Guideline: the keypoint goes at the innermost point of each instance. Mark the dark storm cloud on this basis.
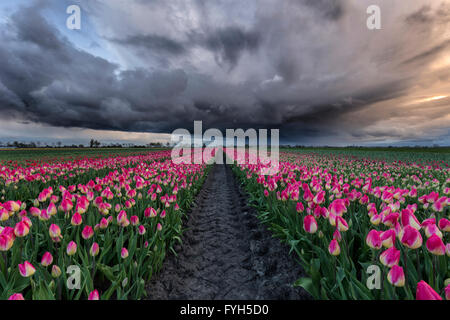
(229, 43)
(292, 65)
(430, 53)
(155, 43)
(330, 9)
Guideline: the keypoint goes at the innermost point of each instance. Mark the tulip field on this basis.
(363, 227)
(110, 219)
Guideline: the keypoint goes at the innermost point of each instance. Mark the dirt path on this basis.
(226, 253)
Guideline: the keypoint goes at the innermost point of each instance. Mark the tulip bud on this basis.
(71, 248)
(56, 271)
(373, 239)
(141, 230)
(334, 248)
(47, 259)
(54, 231)
(310, 224)
(390, 257)
(95, 249)
(435, 245)
(94, 295)
(134, 220)
(76, 219)
(124, 253)
(396, 276)
(16, 296)
(87, 232)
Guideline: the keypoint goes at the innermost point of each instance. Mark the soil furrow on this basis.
(226, 253)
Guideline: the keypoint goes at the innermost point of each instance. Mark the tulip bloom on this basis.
(444, 225)
(410, 237)
(95, 249)
(76, 219)
(337, 207)
(47, 259)
(447, 292)
(16, 296)
(334, 248)
(94, 295)
(21, 229)
(54, 231)
(159, 227)
(71, 248)
(435, 245)
(124, 253)
(425, 292)
(310, 224)
(87, 232)
(141, 230)
(134, 220)
(388, 238)
(26, 269)
(56, 271)
(373, 239)
(396, 276)
(431, 229)
(104, 223)
(298, 207)
(390, 257)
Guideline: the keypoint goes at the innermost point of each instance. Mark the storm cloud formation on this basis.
(308, 67)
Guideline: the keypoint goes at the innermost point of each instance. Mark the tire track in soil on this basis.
(226, 252)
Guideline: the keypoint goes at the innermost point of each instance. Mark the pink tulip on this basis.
(435, 245)
(373, 239)
(124, 253)
(447, 292)
(410, 237)
(71, 248)
(56, 271)
(334, 248)
(26, 269)
(396, 276)
(95, 249)
(134, 220)
(141, 230)
(425, 292)
(16, 296)
(444, 225)
(87, 232)
(54, 231)
(104, 223)
(47, 259)
(94, 295)
(159, 227)
(76, 219)
(310, 224)
(390, 257)
(337, 207)
(409, 219)
(21, 229)
(388, 238)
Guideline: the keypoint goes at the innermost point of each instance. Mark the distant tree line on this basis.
(93, 143)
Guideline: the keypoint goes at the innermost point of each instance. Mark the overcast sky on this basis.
(138, 69)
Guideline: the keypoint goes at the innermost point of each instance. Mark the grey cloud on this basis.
(313, 82)
(156, 43)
